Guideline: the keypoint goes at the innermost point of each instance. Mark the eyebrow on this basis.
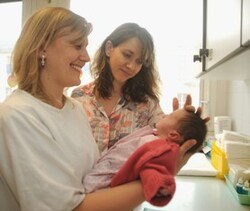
(132, 52)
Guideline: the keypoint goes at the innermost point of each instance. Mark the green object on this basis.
(242, 198)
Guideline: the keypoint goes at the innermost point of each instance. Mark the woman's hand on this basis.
(184, 155)
(188, 103)
(188, 106)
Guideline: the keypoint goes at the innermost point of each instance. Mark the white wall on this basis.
(226, 90)
(214, 99)
(238, 105)
(29, 6)
(231, 98)
(228, 98)
(176, 27)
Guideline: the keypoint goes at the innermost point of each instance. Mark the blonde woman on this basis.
(47, 146)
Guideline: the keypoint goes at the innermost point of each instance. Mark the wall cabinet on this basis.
(226, 34)
(223, 29)
(245, 22)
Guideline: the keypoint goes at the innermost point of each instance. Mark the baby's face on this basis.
(169, 123)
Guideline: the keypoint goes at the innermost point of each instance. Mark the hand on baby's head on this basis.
(189, 107)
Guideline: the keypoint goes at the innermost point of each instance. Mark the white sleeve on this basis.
(40, 175)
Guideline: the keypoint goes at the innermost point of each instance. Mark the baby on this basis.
(133, 155)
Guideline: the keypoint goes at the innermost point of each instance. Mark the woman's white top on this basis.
(45, 153)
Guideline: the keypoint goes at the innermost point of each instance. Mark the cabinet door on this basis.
(246, 23)
(223, 29)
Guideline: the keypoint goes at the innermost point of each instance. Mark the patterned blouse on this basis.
(125, 118)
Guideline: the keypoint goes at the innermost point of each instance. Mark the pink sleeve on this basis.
(154, 163)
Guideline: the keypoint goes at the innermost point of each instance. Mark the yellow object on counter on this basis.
(219, 160)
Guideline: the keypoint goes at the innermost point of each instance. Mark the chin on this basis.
(74, 83)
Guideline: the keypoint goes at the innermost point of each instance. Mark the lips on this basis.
(76, 67)
(127, 72)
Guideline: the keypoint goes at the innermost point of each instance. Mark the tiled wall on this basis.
(227, 91)
(239, 105)
(230, 98)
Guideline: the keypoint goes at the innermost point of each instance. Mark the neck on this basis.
(53, 91)
(116, 93)
(56, 99)
(58, 103)
(117, 89)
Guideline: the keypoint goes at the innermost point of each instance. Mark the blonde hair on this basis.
(43, 27)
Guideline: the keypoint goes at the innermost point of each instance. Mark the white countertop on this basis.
(198, 193)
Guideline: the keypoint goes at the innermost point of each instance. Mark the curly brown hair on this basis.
(141, 86)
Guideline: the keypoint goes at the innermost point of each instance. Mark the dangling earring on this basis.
(43, 61)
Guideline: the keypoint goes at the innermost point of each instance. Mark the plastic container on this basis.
(221, 123)
(239, 185)
(242, 198)
(219, 160)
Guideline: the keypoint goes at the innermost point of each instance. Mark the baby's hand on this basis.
(163, 192)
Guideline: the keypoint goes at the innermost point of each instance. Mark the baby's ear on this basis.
(174, 135)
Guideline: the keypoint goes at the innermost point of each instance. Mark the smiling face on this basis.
(125, 59)
(65, 57)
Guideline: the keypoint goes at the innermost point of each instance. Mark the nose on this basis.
(84, 56)
(131, 65)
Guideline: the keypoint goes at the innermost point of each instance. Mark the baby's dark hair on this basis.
(192, 126)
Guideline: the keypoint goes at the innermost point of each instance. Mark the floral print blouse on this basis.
(125, 118)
